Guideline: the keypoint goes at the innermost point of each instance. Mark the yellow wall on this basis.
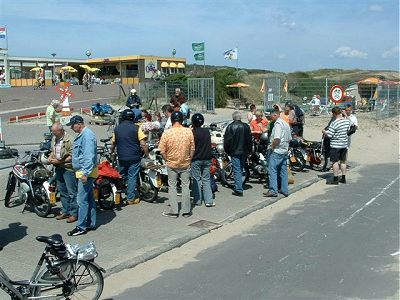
(130, 80)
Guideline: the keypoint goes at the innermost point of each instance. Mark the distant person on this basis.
(51, 113)
(259, 125)
(353, 126)
(176, 99)
(167, 110)
(337, 132)
(296, 119)
(251, 115)
(86, 79)
(84, 162)
(238, 144)
(285, 114)
(2, 78)
(133, 100)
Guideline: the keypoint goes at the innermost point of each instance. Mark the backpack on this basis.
(299, 114)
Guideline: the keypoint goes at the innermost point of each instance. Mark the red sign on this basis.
(336, 94)
(65, 92)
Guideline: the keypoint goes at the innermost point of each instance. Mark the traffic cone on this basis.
(65, 112)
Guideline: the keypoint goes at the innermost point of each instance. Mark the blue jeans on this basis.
(86, 204)
(67, 184)
(131, 171)
(201, 181)
(277, 165)
(238, 167)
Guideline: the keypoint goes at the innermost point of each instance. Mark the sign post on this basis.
(336, 93)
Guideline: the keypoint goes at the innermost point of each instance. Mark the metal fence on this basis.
(387, 103)
(199, 93)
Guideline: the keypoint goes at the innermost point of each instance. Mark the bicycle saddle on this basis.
(105, 140)
(54, 240)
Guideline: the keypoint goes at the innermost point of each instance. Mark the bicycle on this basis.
(38, 84)
(69, 270)
(87, 86)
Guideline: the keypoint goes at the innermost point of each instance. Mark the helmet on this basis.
(176, 116)
(133, 91)
(197, 120)
(264, 138)
(128, 114)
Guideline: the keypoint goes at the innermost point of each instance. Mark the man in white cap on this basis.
(133, 100)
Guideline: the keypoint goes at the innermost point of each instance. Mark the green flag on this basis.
(199, 56)
(198, 46)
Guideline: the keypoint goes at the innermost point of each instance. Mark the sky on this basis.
(284, 35)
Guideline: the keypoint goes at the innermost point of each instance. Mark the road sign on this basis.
(336, 94)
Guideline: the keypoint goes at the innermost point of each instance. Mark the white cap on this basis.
(133, 91)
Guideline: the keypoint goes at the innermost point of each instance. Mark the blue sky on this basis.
(285, 35)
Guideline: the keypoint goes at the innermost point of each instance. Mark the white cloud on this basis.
(375, 7)
(282, 56)
(347, 52)
(291, 25)
(393, 52)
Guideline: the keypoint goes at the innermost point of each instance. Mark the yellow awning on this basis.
(172, 65)
(164, 64)
(181, 65)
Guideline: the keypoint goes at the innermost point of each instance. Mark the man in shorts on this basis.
(337, 132)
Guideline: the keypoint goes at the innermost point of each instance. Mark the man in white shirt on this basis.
(277, 164)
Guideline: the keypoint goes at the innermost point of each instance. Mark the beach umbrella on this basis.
(35, 69)
(86, 67)
(94, 69)
(68, 69)
(238, 85)
(370, 80)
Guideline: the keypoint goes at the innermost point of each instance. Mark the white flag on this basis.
(231, 54)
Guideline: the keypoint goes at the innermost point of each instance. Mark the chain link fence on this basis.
(388, 97)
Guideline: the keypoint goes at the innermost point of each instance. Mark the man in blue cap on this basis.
(84, 162)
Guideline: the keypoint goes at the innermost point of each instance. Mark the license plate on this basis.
(293, 159)
(52, 197)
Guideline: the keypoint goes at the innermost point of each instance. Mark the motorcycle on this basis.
(315, 155)
(28, 178)
(257, 161)
(297, 156)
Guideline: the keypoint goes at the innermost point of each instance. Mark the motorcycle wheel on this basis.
(106, 202)
(299, 164)
(41, 203)
(11, 183)
(323, 161)
(148, 192)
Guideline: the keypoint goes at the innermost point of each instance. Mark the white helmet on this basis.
(133, 91)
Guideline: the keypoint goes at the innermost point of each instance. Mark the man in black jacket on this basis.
(133, 100)
(237, 144)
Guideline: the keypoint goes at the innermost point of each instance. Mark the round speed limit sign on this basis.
(336, 93)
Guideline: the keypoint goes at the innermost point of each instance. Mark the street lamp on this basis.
(54, 68)
(88, 53)
(173, 52)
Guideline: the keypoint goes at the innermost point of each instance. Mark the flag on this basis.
(285, 86)
(199, 56)
(2, 32)
(198, 46)
(262, 89)
(231, 53)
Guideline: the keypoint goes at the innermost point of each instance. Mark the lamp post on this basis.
(88, 53)
(173, 52)
(54, 68)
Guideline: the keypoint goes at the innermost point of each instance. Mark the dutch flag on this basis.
(2, 32)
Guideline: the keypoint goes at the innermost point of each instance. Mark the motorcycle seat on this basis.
(105, 140)
(53, 240)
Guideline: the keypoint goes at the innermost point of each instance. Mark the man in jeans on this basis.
(277, 164)
(201, 163)
(84, 162)
(177, 148)
(238, 144)
(129, 139)
(67, 184)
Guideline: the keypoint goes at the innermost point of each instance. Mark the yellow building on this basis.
(128, 69)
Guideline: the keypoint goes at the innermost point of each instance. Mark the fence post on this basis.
(326, 92)
(165, 92)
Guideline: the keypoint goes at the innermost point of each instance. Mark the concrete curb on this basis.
(133, 262)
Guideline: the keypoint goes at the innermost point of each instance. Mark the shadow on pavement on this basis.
(13, 233)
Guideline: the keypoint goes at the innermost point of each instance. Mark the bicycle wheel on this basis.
(71, 280)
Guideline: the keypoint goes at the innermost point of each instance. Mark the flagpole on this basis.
(204, 63)
(237, 59)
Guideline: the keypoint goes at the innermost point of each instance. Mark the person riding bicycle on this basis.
(86, 79)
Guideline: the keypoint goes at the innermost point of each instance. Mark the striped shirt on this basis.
(337, 132)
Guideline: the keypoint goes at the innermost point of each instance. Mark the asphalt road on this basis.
(342, 244)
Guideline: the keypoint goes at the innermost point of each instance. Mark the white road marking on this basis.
(369, 202)
(283, 258)
(300, 235)
(395, 254)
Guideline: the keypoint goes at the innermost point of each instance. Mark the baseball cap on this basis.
(75, 120)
